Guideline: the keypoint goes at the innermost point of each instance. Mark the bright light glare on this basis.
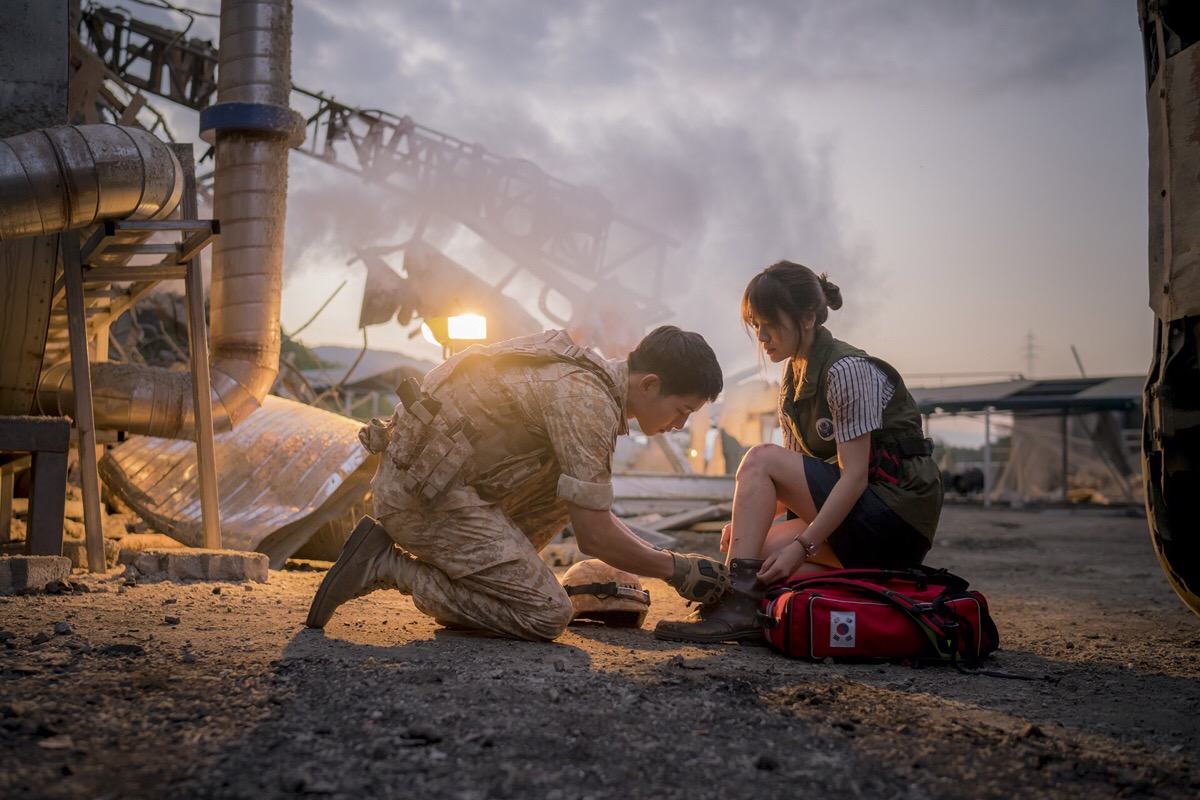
(428, 334)
(467, 326)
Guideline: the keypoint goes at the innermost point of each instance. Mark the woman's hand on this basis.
(726, 535)
(782, 564)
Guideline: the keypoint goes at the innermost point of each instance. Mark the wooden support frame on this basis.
(47, 440)
(182, 261)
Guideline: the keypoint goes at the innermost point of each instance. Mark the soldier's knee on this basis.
(551, 620)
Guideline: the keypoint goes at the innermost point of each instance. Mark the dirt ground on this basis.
(207, 690)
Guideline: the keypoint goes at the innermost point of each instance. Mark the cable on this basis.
(163, 4)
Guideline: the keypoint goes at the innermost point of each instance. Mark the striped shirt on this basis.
(857, 392)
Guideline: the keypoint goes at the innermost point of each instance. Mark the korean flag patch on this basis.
(841, 629)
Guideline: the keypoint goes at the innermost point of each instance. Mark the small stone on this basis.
(766, 763)
(62, 628)
(40, 638)
(216, 590)
(171, 620)
(1032, 731)
(59, 742)
(123, 650)
(6, 635)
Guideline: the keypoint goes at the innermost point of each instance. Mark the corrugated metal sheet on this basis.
(282, 475)
(1120, 393)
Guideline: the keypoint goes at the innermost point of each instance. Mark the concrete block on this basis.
(188, 564)
(32, 573)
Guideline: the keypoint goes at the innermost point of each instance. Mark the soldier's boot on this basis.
(731, 618)
(369, 561)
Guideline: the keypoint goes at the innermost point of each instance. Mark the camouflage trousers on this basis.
(480, 568)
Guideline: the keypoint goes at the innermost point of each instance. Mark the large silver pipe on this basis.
(73, 176)
(250, 126)
(252, 130)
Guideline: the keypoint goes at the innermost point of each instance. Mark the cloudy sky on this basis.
(973, 174)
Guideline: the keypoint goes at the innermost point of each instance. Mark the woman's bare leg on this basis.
(767, 475)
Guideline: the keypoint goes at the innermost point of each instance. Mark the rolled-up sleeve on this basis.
(596, 496)
(581, 420)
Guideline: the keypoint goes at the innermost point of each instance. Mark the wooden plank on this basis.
(85, 421)
(35, 434)
(210, 510)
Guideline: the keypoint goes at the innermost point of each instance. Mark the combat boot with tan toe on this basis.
(733, 617)
(369, 561)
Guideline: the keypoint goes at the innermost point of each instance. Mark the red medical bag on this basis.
(912, 614)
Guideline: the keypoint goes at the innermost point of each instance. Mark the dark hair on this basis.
(682, 360)
(787, 290)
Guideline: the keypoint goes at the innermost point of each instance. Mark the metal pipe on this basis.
(73, 176)
(252, 130)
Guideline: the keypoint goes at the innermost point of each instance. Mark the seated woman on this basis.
(856, 474)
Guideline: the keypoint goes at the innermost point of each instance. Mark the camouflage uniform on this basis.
(547, 430)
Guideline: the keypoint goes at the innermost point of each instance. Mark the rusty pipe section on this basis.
(252, 129)
(73, 176)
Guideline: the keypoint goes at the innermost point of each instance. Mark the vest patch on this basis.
(825, 428)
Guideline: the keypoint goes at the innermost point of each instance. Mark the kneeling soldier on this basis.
(488, 459)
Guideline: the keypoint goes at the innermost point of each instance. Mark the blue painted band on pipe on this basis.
(249, 117)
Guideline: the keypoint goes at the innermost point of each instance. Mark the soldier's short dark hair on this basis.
(682, 360)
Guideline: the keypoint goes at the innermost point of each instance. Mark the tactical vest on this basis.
(903, 473)
(433, 442)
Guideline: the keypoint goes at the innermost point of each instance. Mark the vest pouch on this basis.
(408, 438)
(500, 480)
(445, 456)
(376, 435)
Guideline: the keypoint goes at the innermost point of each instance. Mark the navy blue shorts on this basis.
(872, 535)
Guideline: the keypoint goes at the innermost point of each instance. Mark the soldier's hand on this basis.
(699, 577)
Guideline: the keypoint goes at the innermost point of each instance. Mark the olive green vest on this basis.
(804, 412)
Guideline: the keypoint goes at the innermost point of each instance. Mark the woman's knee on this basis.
(757, 461)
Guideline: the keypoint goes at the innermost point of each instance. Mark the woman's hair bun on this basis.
(833, 294)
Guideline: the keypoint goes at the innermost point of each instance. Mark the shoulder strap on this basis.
(920, 575)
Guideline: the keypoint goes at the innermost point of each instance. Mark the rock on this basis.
(73, 529)
(76, 550)
(32, 573)
(1032, 731)
(60, 742)
(62, 628)
(123, 650)
(40, 638)
(139, 542)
